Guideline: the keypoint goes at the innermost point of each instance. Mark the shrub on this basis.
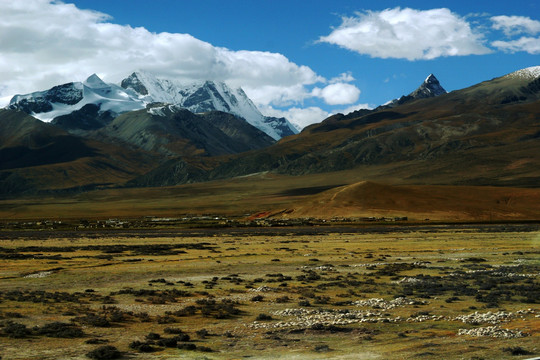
(257, 298)
(142, 347)
(153, 336)
(95, 341)
(202, 333)
(516, 350)
(322, 348)
(182, 337)
(187, 346)
(104, 352)
(16, 330)
(60, 330)
(167, 342)
(169, 330)
(93, 320)
(263, 317)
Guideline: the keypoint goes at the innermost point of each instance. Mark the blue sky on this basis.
(301, 59)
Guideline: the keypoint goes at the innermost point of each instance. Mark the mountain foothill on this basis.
(151, 132)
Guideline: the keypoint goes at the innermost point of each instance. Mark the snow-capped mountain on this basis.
(431, 87)
(205, 96)
(67, 98)
(139, 89)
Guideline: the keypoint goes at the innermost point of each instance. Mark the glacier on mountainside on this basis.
(142, 88)
(203, 96)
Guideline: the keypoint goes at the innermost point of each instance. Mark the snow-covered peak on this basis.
(67, 98)
(431, 79)
(142, 88)
(429, 88)
(529, 73)
(203, 96)
(94, 82)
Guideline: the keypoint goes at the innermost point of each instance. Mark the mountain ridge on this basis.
(420, 140)
(486, 134)
(71, 100)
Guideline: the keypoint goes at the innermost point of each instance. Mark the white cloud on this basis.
(513, 25)
(344, 77)
(352, 108)
(45, 43)
(528, 44)
(408, 34)
(302, 117)
(299, 117)
(338, 93)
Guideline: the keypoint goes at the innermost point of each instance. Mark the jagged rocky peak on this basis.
(429, 88)
(201, 96)
(134, 82)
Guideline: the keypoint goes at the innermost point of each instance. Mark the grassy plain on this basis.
(362, 292)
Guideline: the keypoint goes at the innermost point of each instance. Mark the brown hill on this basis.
(417, 202)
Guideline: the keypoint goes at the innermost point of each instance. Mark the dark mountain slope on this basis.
(485, 135)
(173, 131)
(25, 141)
(36, 156)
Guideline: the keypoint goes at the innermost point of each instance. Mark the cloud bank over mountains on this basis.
(44, 43)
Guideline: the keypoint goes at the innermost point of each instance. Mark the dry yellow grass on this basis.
(330, 269)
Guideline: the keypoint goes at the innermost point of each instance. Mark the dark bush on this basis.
(16, 330)
(105, 352)
(204, 349)
(96, 341)
(142, 346)
(202, 333)
(187, 346)
(182, 337)
(516, 350)
(263, 317)
(153, 336)
(322, 348)
(60, 330)
(167, 342)
(257, 298)
(93, 320)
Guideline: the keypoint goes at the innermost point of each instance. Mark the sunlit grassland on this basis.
(145, 283)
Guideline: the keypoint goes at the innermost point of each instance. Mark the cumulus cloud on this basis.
(344, 77)
(513, 25)
(352, 108)
(44, 43)
(408, 34)
(516, 25)
(338, 93)
(299, 117)
(528, 44)
(302, 117)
